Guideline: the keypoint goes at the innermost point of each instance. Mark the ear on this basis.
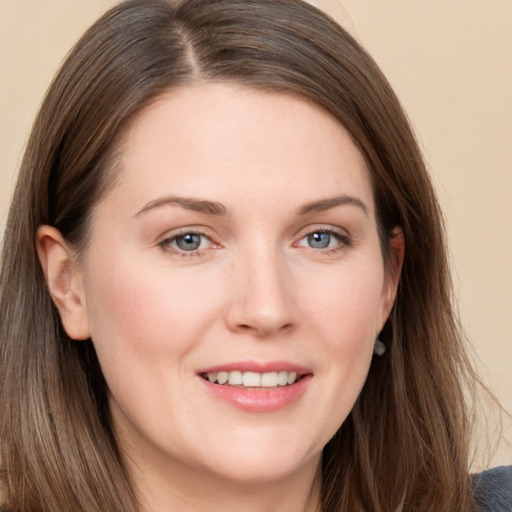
(64, 280)
(393, 271)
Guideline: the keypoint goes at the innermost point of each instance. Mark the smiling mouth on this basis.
(253, 379)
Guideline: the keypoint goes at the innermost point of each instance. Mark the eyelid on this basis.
(342, 235)
(170, 236)
(324, 228)
(185, 230)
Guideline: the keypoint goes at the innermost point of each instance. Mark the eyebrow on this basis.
(215, 208)
(332, 202)
(189, 203)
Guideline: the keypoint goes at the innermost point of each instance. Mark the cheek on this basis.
(344, 322)
(151, 312)
(143, 329)
(347, 307)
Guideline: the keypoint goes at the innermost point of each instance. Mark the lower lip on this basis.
(258, 399)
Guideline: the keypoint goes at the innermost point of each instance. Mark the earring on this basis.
(379, 348)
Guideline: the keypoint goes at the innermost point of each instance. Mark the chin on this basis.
(263, 466)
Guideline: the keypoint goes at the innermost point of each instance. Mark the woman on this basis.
(224, 281)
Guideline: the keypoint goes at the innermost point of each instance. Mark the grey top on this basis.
(493, 489)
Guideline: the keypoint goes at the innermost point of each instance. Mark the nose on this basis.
(261, 302)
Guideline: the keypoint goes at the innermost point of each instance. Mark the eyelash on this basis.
(343, 240)
(166, 246)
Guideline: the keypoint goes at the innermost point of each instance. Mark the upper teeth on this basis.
(253, 379)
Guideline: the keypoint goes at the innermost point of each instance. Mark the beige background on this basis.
(450, 63)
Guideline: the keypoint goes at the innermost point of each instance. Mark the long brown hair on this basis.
(404, 446)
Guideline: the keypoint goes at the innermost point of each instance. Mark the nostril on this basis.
(265, 330)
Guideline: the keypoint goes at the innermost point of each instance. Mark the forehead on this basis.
(220, 140)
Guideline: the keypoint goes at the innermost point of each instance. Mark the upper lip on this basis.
(258, 367)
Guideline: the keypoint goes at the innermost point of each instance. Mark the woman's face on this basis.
(239, 243)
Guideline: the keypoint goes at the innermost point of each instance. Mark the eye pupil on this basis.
(319, 240)
(189, 242)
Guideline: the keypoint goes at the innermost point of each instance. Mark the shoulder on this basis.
(493, 489)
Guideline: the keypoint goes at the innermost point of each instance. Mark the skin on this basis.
(256, 289)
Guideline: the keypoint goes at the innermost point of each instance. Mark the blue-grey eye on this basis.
(188, 242)
(319, 240)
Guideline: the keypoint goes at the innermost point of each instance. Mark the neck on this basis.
(188, 489)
